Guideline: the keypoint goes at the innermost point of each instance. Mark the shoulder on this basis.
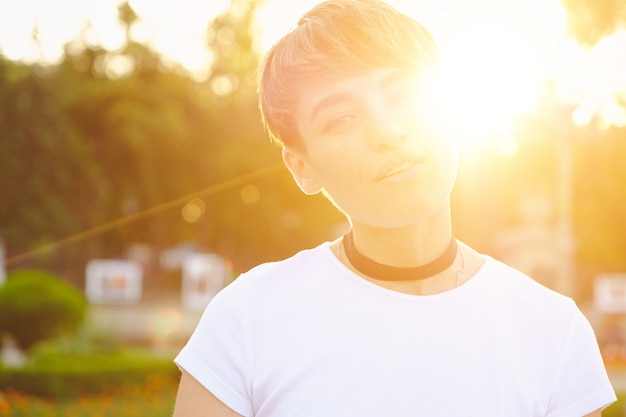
(273, 278)
(544, 320)
(505, 276)
(298, 264)
(304, 258)
(521, 292)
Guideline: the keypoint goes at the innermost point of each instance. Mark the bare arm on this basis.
(193, 400)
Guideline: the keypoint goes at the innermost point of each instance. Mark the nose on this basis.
(385, 130)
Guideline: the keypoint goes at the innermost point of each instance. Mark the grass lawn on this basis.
(154, 399)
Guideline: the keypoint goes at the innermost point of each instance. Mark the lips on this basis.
(396, 168)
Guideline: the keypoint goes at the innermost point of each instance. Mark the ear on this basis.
(298, 168)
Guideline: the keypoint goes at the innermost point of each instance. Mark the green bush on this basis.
(36, 305)
(616, 409)
(69, 376)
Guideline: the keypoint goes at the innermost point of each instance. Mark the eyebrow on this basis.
(341, 97)
(399, 75)
(329, 101)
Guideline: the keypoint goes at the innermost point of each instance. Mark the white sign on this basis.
(113, 281)
(609, 293)
(204, 275)
(173, 258)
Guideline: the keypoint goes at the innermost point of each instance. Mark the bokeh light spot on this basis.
(250, 194)
(193, 210)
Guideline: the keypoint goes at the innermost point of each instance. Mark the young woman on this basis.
(396, 318)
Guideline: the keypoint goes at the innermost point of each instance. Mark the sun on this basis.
(494, 66)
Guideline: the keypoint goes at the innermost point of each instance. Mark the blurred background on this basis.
(136, 179)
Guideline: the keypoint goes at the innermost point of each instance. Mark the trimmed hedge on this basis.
(36, 305)
(67, 376)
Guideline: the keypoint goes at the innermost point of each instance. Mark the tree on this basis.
(140, 137)
(600, 195)
(588, 21)
(39, 154)
(281, 218)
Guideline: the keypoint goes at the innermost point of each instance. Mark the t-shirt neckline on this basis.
(348, 274)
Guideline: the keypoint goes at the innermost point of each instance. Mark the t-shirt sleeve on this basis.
(218, 353)
(581, 384)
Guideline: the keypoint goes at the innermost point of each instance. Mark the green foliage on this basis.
(62, 375)
(617, 408)
(103, 146)
(35, 305)
(38, 147)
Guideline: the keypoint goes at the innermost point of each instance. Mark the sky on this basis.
(498, 54)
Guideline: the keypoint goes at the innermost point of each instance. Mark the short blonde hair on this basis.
(336, 37)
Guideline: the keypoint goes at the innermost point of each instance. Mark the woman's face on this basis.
(369, 145)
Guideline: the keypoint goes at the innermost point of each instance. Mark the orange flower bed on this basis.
(155, 398)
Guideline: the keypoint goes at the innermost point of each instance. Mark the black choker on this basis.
(383, 272)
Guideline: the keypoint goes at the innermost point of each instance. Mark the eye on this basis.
(339, 123)
(404, 93)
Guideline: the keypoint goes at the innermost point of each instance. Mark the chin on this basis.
(405, 215)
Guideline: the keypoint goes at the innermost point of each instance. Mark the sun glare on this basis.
(497, 58)
(494, 65)
(594, 81)
(178, 30)
(499, 55)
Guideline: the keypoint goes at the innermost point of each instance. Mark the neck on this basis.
(403, 247)
(383, 272)
(454, 276)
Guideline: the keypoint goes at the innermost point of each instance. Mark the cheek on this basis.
(341, 176)
(339, 171)
(449, 163)
(340, 155)
(445, 160)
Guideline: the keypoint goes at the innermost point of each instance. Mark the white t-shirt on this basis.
(306, 337)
